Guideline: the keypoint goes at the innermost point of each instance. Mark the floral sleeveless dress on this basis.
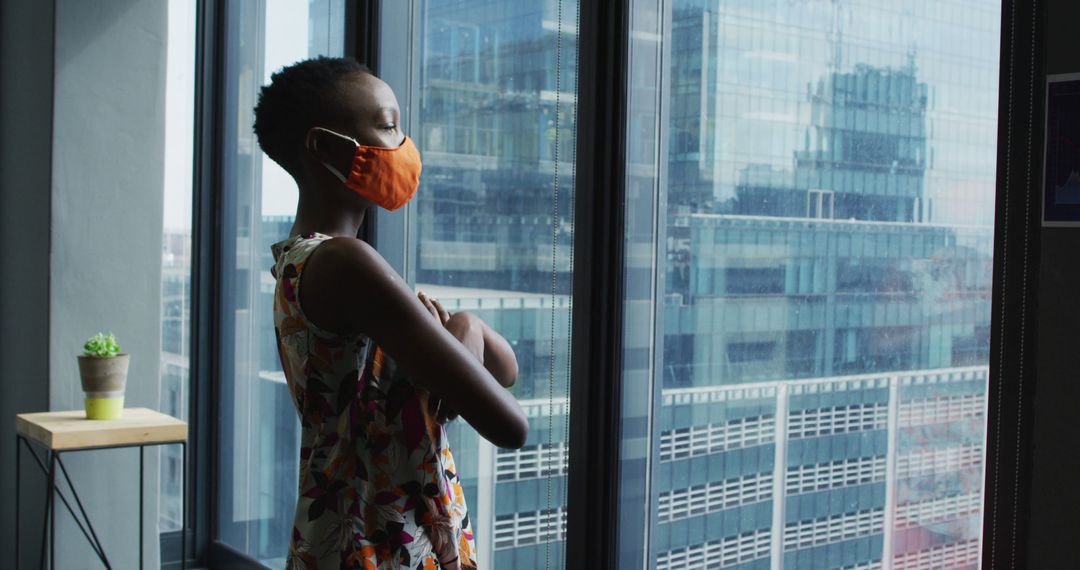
(378, 485)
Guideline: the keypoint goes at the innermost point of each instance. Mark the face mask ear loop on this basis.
(332, 169)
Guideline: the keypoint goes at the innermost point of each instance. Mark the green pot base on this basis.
(104, 408)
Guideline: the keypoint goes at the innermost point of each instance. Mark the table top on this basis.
(71, 430)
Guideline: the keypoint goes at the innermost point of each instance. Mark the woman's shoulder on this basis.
(344, 254)
(349, 253)
(340, 275)
(294, 251)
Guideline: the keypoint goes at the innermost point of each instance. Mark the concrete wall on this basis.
(82, 117)
(105, 272)
(26, 85)
(1055, 492)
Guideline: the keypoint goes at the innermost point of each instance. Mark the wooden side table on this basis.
(63, 432)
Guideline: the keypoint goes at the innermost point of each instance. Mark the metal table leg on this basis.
(22, 441)
(183, 505)
(142, 478)
(18, 493)
(53, 493)
(49, 466)
(52, 510)
(88, 532)
(45, 519)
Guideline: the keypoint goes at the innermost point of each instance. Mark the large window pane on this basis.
(810, 210)
(176, 250)
(491, 105)
(259, 438)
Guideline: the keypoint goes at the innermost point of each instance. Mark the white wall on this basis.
(105, 269)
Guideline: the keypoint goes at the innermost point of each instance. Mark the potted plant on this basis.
(103, 369)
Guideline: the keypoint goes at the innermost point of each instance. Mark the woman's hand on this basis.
(434, 307)
(465, 327)
(492, 349)
(469, 329)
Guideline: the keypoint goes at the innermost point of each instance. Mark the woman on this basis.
(374, 370)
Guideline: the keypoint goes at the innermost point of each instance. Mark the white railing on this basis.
(706, 439)
(941, 410)
(717, 553)
(838, 419)
(954, 555)
(833, 529)
(703, 499)
(940, 460)
(534, 527)
(842, 473)
(532, 462)
(875, 565)
(938, 509)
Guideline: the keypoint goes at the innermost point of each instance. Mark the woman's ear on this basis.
(331, 149)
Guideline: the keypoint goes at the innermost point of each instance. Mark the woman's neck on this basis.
(322, 216)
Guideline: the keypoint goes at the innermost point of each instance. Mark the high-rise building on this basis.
(825, 344)
(175, 373)
(828, 285)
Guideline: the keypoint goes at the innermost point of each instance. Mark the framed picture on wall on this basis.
(1061, 156)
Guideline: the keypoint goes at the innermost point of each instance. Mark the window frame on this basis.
(599, 263)
(593, 524)
(205, 281)
(204, 485)
(1009, 441)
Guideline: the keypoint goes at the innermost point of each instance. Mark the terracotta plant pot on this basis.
(103, 384)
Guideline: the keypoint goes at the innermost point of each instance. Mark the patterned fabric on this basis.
(378, 485)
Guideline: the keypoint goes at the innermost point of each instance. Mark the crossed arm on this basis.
(348, 288)
(495, 352)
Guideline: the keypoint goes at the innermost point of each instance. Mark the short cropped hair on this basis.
(303, 95)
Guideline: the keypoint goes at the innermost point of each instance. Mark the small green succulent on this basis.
(102, 346)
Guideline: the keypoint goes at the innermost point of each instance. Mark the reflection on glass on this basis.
(259, 437)
(817, 207)
(494, 118)
(176, 250)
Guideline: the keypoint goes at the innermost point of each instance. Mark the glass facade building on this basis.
(826, 305)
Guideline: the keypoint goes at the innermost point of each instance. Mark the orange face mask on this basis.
(389, 177)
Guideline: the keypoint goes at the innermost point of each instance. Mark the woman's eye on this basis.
(389, 127)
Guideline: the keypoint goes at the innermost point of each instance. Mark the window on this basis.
(817, 399)
(175, 373)
(488, 91)
(819, 204)
(809, 209)
(750, 351)
(753, 280)
(258, 430)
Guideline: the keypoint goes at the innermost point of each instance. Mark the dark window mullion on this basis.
(1007, 485)
(362, 43)
(595, 391)
(660, 231)
(208, 238)
(201, 494)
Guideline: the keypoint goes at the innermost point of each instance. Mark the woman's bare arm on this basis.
(348, 288)
(498, 356)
